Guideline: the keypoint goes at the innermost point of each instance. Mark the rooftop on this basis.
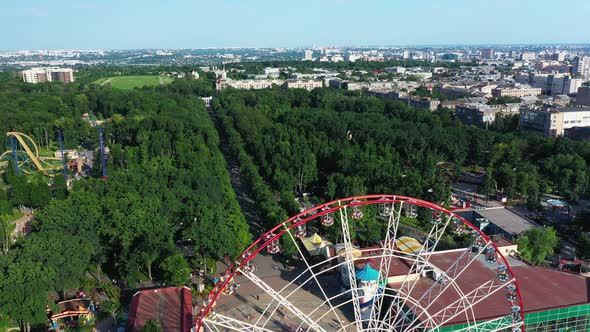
(170, 307)
(507, 220)
(541, 288)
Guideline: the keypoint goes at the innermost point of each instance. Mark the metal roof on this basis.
(507, 220)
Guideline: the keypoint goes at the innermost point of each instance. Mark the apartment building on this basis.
(581, 67)
(48, 74)
(303, 84)
(554, 121)
(515, 91)
(551, 84)
(246, 84)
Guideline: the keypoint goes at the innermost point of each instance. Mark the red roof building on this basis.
(171, 307)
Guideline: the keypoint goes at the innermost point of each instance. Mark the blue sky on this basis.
(120, 24)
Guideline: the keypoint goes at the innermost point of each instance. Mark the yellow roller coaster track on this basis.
(40, 162)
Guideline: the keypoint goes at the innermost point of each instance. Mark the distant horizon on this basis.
(201, 24)
(304, 47)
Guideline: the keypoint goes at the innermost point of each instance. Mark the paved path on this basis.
(106, 81)
(250, 301)
(23, 221)
(241, 188)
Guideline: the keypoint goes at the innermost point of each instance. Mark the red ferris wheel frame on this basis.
(318, 211)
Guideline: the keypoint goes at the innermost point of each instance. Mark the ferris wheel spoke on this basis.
(283, 301)
(462, 304)
(315, 278)
(388, 248)
(448, 280)
(350, 267)
(346, 292)
(408, 284)
(232, 324)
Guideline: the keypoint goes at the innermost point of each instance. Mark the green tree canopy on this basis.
(537, 243)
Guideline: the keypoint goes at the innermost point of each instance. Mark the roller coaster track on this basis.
(41, 163)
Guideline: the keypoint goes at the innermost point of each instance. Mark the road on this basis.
(241, 188)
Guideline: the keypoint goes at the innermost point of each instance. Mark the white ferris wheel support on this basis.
(402, 297)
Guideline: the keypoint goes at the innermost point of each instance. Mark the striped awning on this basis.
(408, 245)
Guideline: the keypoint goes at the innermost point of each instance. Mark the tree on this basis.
(584, 246)
(5, 207)
(112, 307)
(176, 270)
(331, 186)
(23, 291)
(6, 228)
(61, 187)
(66, 255)
(582, 220)
(537, 243)
(19, 192)
(152, 326)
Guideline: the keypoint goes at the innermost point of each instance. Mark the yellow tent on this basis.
(408, 245)
(314, 244)
(341, 251)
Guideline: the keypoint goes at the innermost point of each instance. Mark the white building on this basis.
(551, 84)
(353, 57)
(527, 56)
(303, 84)
(308, 55)
(272, 72)
(554, 121)
(581, 66)
(246, 84)
(48, 74)
(336, 58)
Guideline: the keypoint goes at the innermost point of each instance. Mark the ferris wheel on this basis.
(368, 263)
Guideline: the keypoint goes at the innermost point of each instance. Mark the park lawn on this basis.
(132, 82)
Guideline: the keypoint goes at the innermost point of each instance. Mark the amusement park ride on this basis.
(24, 153)
(27, 159)
(390, 286)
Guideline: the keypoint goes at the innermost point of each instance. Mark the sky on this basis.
(130, 24)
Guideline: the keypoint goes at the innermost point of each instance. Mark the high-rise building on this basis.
(551, 84)
(486, 53)
(406, 54)
(48, 74)
(558, 56)
(581, 66)
(308, 55)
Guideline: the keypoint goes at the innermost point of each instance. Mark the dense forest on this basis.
(167, 190)
(332, 145)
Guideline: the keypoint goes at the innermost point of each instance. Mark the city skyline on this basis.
(231, 24)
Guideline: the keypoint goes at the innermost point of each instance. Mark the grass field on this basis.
(131, 82)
